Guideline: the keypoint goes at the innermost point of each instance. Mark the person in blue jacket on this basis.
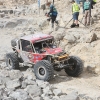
(52, 14)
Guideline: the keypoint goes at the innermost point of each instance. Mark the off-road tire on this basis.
(75, 69)
(13, 43)
(43, 70)
(12, 61)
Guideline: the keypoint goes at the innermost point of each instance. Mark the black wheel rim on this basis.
(9, 63)
(42, 71)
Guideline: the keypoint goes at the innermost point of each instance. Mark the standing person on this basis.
(87, 12)
(93, 2)
(77, 1)
(75, 11)
(52, 14)
(83, 5)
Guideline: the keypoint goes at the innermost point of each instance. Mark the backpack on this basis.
(53, 10)
(86, 5)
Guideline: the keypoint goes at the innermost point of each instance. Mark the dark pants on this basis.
(75, 15)
(87, 17)
(53, 19)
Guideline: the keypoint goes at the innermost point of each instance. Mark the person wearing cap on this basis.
(75, 12)
(87, 14)
(52, 14)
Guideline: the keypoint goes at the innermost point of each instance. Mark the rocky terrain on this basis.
(21, 17)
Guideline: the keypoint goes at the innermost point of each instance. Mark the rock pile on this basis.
(16, 85)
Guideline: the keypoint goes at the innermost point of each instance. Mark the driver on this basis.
(28, 48)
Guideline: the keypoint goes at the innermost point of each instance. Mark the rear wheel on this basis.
(12, 61)
(76, 66)
(43, 70)
(13, 42)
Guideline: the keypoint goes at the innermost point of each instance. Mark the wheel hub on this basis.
(9, 63)
(42, 71)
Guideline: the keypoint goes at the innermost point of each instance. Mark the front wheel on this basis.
(43, 70)
(75, 66)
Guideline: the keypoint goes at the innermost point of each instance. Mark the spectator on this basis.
(93, 2)
(87, 15)
(75, 11)
(52, 14)
(83, 5)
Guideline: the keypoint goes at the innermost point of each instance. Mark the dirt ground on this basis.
(86, 84)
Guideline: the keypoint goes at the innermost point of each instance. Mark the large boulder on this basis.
(30, 82)
(47, 91)
(2, 57)
(4, 73)
(63, 44)
(11, 24)
(3, 81)
(6, 98)
(20, 95)
(70, 38)
(42, 23)
(13, 84)
(2, 15)
(42, 84)
(58, 35)
(33, 90)
(80, 36)
(1, 25)
(57, 92)
(91, 37)
(15, 74)
(70, 96)
(37, 98)
(3, 93)
(15, 22)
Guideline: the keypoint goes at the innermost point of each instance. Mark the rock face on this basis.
(13, 84)
(33, 90)
(36, 90)
(20, 95)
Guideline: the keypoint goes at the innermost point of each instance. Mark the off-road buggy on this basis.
(40, 51)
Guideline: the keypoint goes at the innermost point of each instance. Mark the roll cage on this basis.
(36, 47)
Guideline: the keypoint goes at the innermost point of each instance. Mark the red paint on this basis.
(37, 57)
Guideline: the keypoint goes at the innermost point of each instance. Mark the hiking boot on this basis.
(77, 25)
(73, 25)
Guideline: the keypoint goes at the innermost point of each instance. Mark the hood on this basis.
(52, 51)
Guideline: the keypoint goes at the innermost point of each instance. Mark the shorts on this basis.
(75, 15)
